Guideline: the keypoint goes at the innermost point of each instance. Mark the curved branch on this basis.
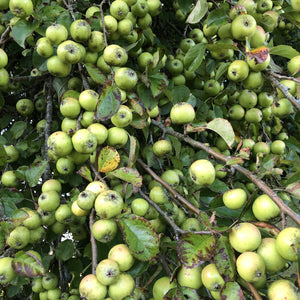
(258, 182)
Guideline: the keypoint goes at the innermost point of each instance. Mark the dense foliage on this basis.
(149, 149)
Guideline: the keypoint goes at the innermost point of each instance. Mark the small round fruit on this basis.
(235, 198)
(238, 71)
(161, 287)
(107, 271)
(123, 287)
(282, 108)
(115, 55)
(278, 147)
(244, 237)
(243, 26)
(88, 100)
(264, 208)
(21, 8)
(122, 255)
(283, 289)
(51, 185)
(49, 201)
(25, 107)
(293, 65)
(162, 148)
(91, 288)
(117, 137)
(288, 242)
(253, 115)
(12, 153)
(7, 273)
(84, 141)
(123, 117)
(189, 277)
(56, 33)
(182, 113)
(139, 206)
(80, 31)
(57, 67)
(126, 78)
(18, 238)
(9, 179)
(70, 108)
(104, 230)
(100, 131)
(202, 172)
(211, 278)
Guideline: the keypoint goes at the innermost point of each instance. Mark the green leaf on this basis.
(223, 128)
(27, 264)
(22, 29)
(198, 12)
(109, 102)
(39, 62)
(8, 199)
(292, 179)
(224, 258)
(180, 93)
(294, 189)
(223, 67)
(185, 5)
(85, 172)
(234, 160)
(2, 238)
(218, 16)
(140, 236)
(108, 159)
(284, 51)
(193, 58)
(132, 151)
(60, 85)
(194, 248)
(146, 96)
(218, 186)
(3, 156)
(182, 292)
(95, 73)
(35, 171)
(233, 291)
(158, 83)
(18, 129)
(129, 175)
(65, 250)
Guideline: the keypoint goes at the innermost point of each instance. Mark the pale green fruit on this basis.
(115, 55)
(90, 288)
(283, 289)
(211, 278)
(202, 172)
(161, 287)
(126, 78)
(122, 255)
(21, 8)
(264, 208)
(123, 287)
(235, 198)
(19, 237)
(182, 113)
(7, 273)
(107, 271)
(189, 277)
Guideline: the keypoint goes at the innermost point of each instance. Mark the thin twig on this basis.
(258, 182)
(70, 9)
(285, 77)
(4, 34)
(93, 243)
(253, 291)
(103, 24)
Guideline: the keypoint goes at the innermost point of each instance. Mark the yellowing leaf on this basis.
(108, 159)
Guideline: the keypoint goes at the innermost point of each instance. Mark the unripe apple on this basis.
(32, 220)
(283, 289)
(117, 137)
(63, 214)
(119, 9)
(139, 206)
(202, 172)
(158, 195)
(88, 100)
(12, 153)
(171, 177)
(250, 266)
(189, 277)
(244, 237)
(96, 187)
(80, 31)
(18, 237)
(253, 115)
(44, 47)
(69, 52)
(236, 112)
(140, 8)
(4, 77)
(115, 55)
(243, 26)
(282, 108)
(57, 67)
(123, 117)
(191, 224)
(278, 147)
(108, 204)
(175, 66)
(126, 78)
(96, 41)
(70, 107)
(261, 148)
(52, 185)
(104, 230)
(25, 107)
(238, 70)
(123, 287)
(7, 273)
(287, 243)
(258, 38)
(212, 87)
(59, 144)
(107, 271)
(49, 200)
(3, 59)
(182, 113)
(125, 27)
(84, 141)
(274, 262)
(77, 211)
(211, 278)
(247, 99)
(21, 8)
(122, 255)
(56, 33)
(264, 208)
(91, 288)
(234, 198)
(161, 287)
(293, 65)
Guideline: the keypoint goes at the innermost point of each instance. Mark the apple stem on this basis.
(93, 242)
(258, 182)
(253, 291)
(70, 9)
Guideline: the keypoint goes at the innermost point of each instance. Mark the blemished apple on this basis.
(91, 288)
(7, 273)
(69, 52)
(123, 117)
(25, 107)
(80, 30)
(126, 78)
(49, 200)
(264, 208)
(244, 237)
(57, 67)
(84, 141)
(189, 277)
(18, 237)
(70, 107)
(238, 70)
(283, 289)
(117, 137)
(56, 33)
(211, 278)
(202, 172)
(107, 271)
(21, 8)
(115, 55)
(44, 47)
(104, 230)
(161, 287)
(59, 144)
(122, 255)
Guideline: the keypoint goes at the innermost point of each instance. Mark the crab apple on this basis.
(123, 287)
(96, 187)
(57, 67)
(49, 201)
(90, 288)
(88, 99)
(59, 144)
(44, 47)
(189, 277)
(104, 230)
(107, 271)
(123, 117)
(56, 33)
(283, 289)
(18, 237)
(182, 113)
(202, 172)
(69, 52)
(84, 141)
(211, 278)
(25, 107)
(117, 137)
(238, 71)
(115, 55)
(264, 208)
(235, 198)
(7, 273)
(126, 78)
(243, 26)
(122, 255)
(80, 31)
(21, 8)
(161, 287)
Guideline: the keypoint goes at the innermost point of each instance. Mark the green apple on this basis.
(234, 198)
(12, 153)
(261, 148)
(196, 34)
(57, 67)
(4, 77)
(90, 288)
(63, 214)
(86, 199)
(126, 78)
(250, 266)
(282, 108)
(250, 5)
(70, 107)
(9, 179)
(47, 217)
(36, 285)
(58, 228)
(155, 7)
(237, 10)
(122, 255)
(243, 26)
(84, 141)
(287, 243)
(238, 71)
(182, 113)
(52, 185)
(265, 99)
(104, 230)
(291, 87)
(186, 44)
(123, 287)
(162, 148)
(236, 112)
(44, 47)
(210, 30)
(108, 204)
(264, 208)
(278, 147)
(258, 66)
(110, 23)
(158, 195)
(7, 273)
(247, 99)
(25, 107)
(40, 105)
(32, 220)
(171, 177)
(145, 59)
(80, 31)
(244, 237)
(117, 137)
(161, 287)
(258, 38)
(189, 277)
(296, 5)
(254, 81)
(253, 115)
(125, 27)
(100, 131)
(56, 33)
(293, 65)
(175, 66)
(3, 59)
(140, 8)
(123, 117)
(49, 201)
(96, 187)
(69, 125)
(77, 211)
(18, 237)
(212, 87)
(139, 206)
(75, 84)
(107, 271)
(202, 172)
(211, 278)
(21, 8)
(59, 144)
(69, 52)
(274, 262)
(115, 55)
(54, 294)
(88, 99)
(283, 289)
(87, 119)
(119, 9)
(264, 5)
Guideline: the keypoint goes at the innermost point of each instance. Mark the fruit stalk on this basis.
(258, 182)
(93, 243)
